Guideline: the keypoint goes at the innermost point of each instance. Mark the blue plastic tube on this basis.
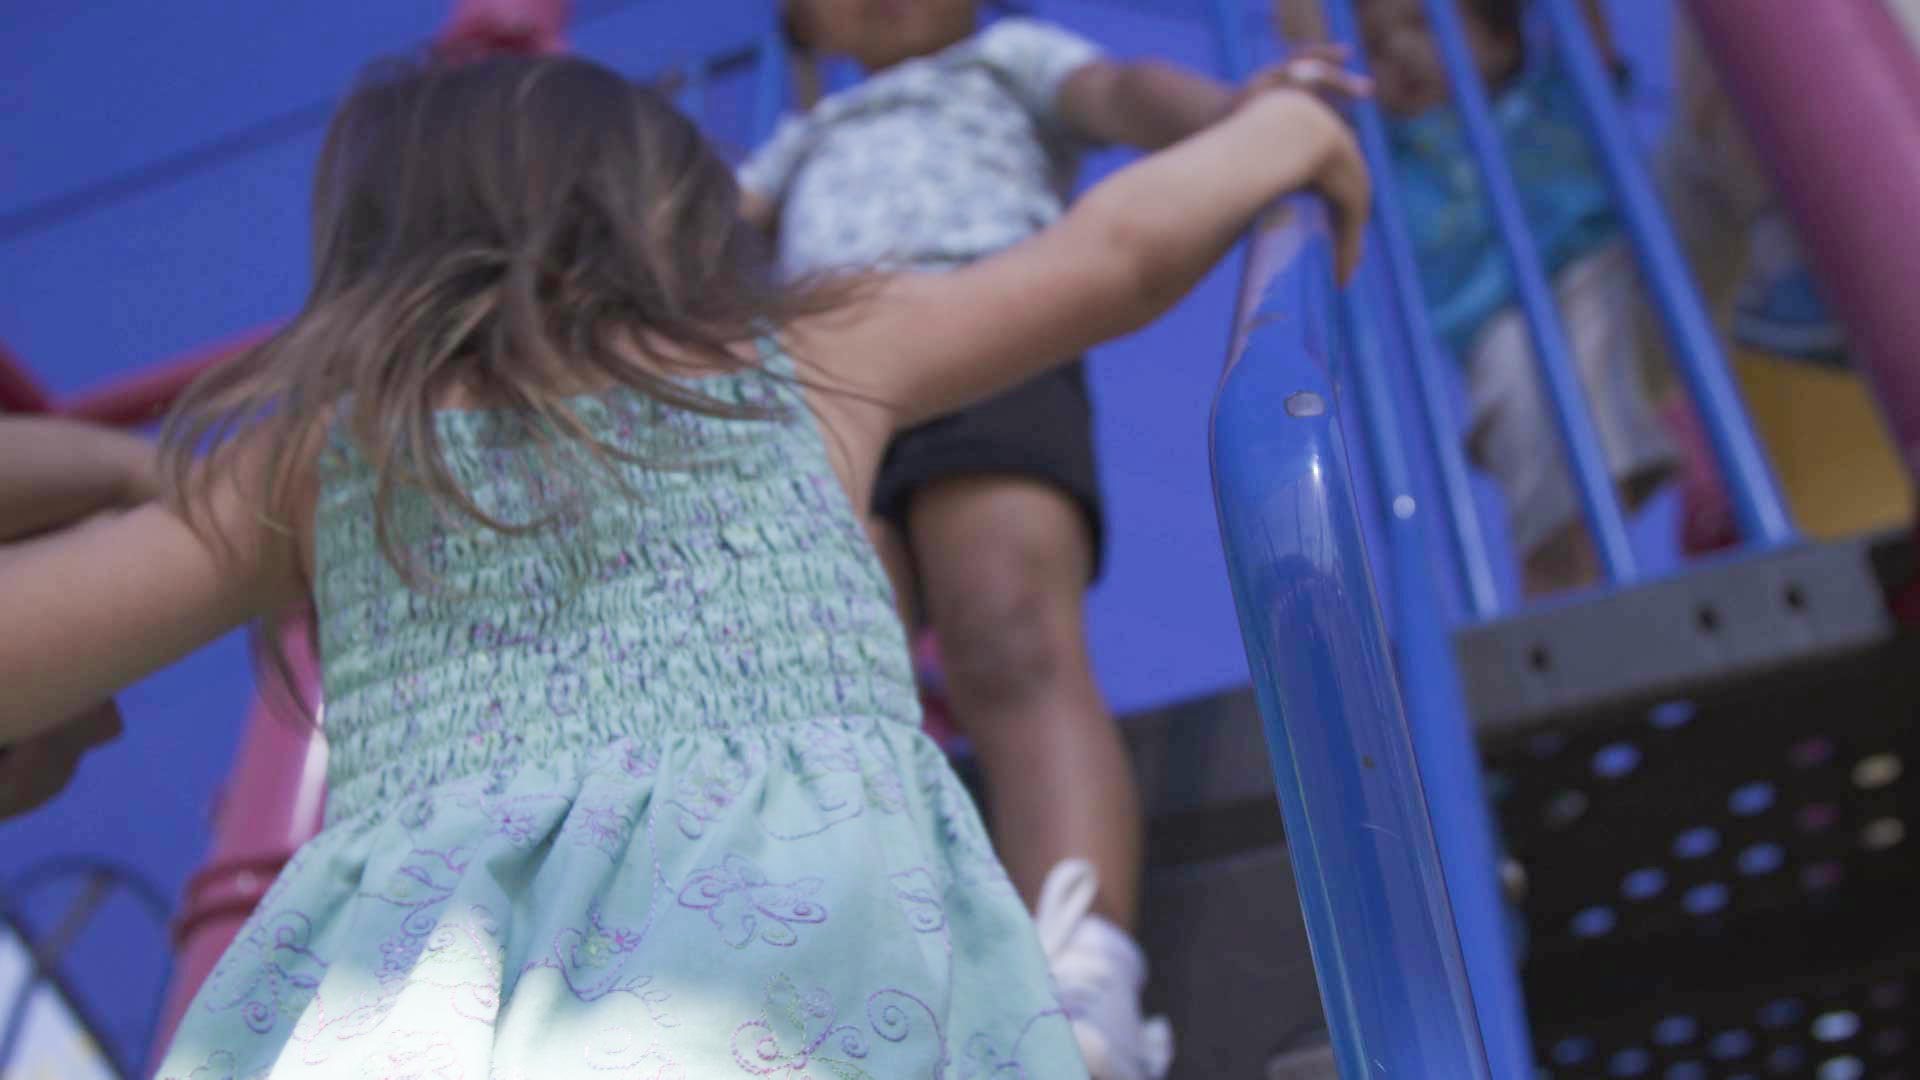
(1392, 977)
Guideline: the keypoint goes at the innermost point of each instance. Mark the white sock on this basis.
(1099, 971)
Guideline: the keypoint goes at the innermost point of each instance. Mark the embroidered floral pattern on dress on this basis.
(269, 973)
(796, 1031)
(745, 905)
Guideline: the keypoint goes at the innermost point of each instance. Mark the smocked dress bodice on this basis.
(720, 581)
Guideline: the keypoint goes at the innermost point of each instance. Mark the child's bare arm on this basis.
(1129, 250)
(58, 471)
(758, 210)
(1151, 105)
(98, 606)
(1144, 104)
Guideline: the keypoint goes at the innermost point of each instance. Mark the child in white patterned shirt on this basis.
(959, 143)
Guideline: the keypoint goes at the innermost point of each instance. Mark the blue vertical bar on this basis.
(1392, 978)
(692, 98)
(1229, 39)
(769, 84)
(1762, 509)
(1586, 461)
(1447, 756)
(1430, 362)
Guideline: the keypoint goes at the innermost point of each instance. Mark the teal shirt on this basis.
(1569, 208)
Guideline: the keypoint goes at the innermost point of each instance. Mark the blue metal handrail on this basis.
(1296, 554)
(1394, 981)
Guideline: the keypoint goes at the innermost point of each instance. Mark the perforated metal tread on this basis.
(1748, 618)
(1710, 858)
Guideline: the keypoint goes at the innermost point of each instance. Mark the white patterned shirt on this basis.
(931, 163)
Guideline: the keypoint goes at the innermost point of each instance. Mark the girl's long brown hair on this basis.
(511, 230)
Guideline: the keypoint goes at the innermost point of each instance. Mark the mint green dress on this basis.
(640, 796)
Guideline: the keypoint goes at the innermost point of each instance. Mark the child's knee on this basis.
(1010, 631)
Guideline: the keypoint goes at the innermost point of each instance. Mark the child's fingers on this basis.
(1352, 245)
(1349, 192)
(95, 727)
(32, 773)
(1332, 52)
(1325, 77)
(35, 770)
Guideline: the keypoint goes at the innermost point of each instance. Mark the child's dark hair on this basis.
(514, 230)
(799, 34)
(1507, 20)
(1505, 17)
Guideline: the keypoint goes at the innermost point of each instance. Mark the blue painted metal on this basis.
(769, 85)
(1762, 509)
(1449, 764)
(1586, 461)
(692, 98)
(1229, 40)
(1393, 980)
(1431, 364)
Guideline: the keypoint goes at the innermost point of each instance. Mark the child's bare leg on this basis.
(1567, 560)
(1005, 564)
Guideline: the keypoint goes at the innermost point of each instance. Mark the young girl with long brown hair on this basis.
(626, 777)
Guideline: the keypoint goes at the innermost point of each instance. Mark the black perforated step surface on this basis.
(1721, 881)
(1723, 884)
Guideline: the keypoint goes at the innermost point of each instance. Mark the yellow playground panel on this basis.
(1840, 471)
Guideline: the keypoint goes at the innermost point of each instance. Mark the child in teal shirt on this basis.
(1470, 289)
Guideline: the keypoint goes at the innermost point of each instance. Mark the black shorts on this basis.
(1042, 430)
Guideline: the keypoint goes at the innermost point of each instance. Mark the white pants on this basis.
(1514, 435)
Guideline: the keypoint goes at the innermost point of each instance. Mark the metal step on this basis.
(1787, 730)
(1747, 620)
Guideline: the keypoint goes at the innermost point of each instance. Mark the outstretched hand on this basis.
(36, 769)
(1317, 69)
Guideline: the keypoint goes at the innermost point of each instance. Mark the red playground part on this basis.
(18, 392)
(1706, 511)
(145, 396)
(271, 806)
(486, 27)
(1830, 94)
(937, 722)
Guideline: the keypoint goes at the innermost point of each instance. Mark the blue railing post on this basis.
(1586, 461)
(1392, 977)
(1435, 701)
(1758, 503)
(1228, 39)
(1430, 363)
(692, 98)
(769, 85)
